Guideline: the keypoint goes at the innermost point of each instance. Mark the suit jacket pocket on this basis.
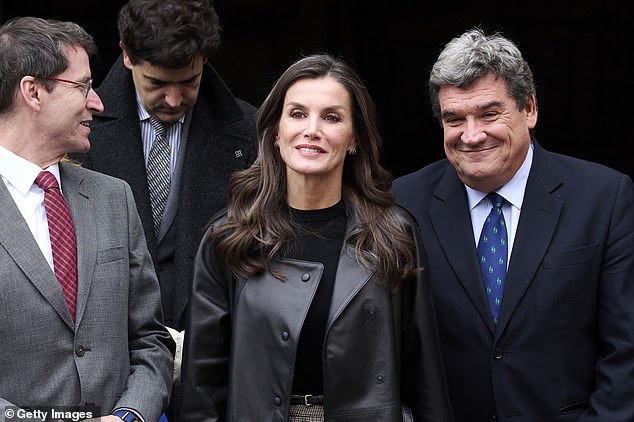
(110, 254)
(574, 407)
(571, 256)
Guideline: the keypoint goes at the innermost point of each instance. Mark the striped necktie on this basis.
(158, 172)
(62, 235)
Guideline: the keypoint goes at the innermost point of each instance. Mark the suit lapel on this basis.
(118, 131)
(78, 199)
(16, 238)
(350, 278)
(538, 221)
(451, 220)
(124, 136)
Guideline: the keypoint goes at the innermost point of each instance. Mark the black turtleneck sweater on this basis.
(319, 239)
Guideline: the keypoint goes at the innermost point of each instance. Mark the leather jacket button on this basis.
(80, 351)
(498, 353)
(277, 401)
(305, 277)
(493, 419)
(380, 378)
(285, 335)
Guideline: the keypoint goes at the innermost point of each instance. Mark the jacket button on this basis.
(285, 335)
(80, 351)
(498, 353)
(277, 401)
(305, 277)
(493, 419)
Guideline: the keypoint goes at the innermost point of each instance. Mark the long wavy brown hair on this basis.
(258, 226)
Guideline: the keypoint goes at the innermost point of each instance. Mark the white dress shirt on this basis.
(513, 192)
(18, 175)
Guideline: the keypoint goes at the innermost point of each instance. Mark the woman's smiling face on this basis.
(316, 130)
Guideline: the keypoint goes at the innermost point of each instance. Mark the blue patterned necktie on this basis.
(158, 172)
(493, 253)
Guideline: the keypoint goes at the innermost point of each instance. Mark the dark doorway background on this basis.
(580, 53)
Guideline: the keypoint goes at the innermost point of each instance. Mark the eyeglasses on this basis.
(85, 86)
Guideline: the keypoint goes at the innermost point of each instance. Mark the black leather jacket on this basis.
(242, 337)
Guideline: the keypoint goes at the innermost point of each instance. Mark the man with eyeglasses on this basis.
(82, 335)
(85, 87)
(163, 79)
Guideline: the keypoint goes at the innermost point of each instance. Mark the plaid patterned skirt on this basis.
(303, 413)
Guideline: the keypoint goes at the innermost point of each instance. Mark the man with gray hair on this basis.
(531, 253)
(82, 332)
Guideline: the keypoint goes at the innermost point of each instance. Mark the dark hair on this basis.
(473, 55)
(258, 227)
(35, 47)
(168, 33)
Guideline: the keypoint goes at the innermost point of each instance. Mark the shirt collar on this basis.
(513, 191)
(20, 172)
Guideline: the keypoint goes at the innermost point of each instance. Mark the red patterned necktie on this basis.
(60, 228)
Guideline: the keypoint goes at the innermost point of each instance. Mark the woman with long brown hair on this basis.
(310, 299)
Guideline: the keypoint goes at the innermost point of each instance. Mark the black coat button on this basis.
(285, 335)
(277, 401)
(498, 353)
(80, 351)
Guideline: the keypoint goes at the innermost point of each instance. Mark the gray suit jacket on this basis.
(218, 138)
(117, 353)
